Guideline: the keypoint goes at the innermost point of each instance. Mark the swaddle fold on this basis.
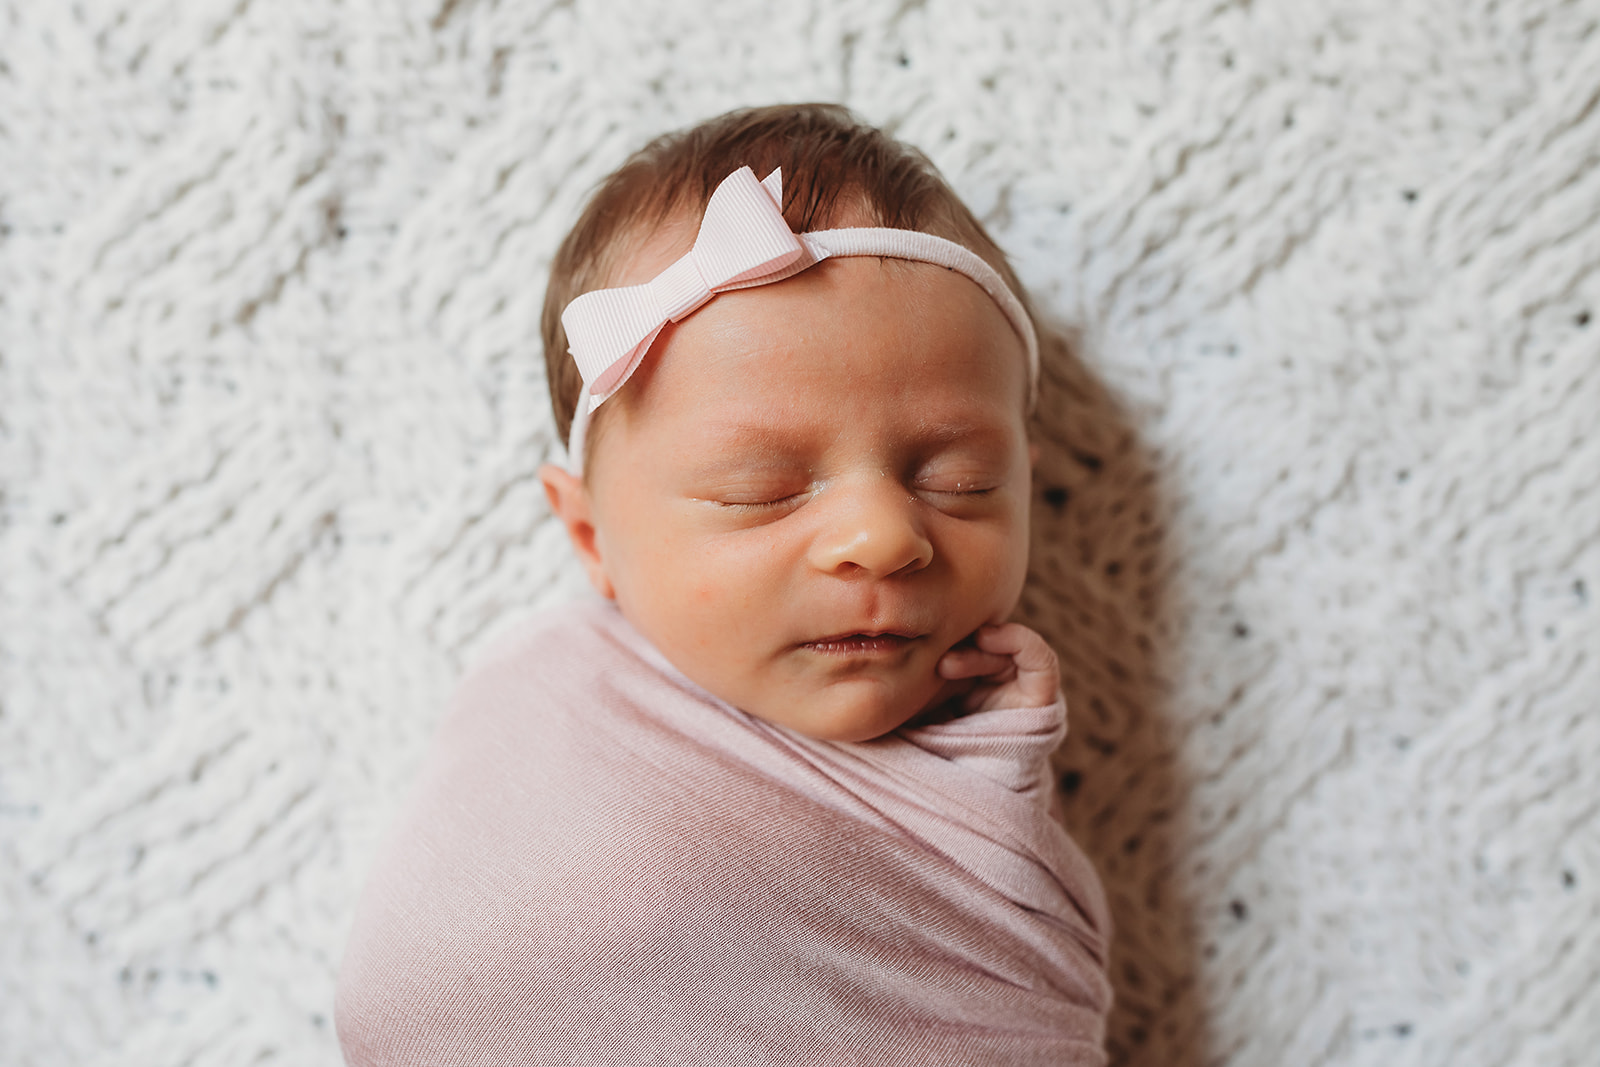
(604, 864)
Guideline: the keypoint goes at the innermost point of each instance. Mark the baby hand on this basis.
(1012, 666)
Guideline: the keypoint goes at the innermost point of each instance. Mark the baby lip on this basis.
(871, 644)
(866, 635)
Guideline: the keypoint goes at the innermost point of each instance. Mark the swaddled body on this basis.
(783, 799)
(606, 864)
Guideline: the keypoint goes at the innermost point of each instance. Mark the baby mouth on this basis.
(861, 644)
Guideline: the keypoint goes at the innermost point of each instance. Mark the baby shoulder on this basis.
(554, 660)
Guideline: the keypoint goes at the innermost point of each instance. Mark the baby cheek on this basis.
(735, 580)
(996, 572)
(715, 599)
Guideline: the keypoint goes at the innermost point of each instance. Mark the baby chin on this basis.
(861, 703)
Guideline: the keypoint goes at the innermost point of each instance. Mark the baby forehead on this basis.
(855, 346)
(937, 319)
(789, 435)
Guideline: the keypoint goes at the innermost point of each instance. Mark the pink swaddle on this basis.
(605, 864)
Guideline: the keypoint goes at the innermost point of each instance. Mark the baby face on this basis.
(811, 490)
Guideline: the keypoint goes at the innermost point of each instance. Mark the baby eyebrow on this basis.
(935, 435)
(741, 458)
(743, 441)
(944, 433)
(763, 449)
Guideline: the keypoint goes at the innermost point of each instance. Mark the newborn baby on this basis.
(779, 794)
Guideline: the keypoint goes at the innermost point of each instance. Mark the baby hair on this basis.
(832, 162)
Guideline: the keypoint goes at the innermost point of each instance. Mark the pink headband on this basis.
(743, 242)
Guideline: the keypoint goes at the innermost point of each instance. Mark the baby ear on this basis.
(569, 499)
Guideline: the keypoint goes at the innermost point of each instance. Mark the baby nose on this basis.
(872, 529)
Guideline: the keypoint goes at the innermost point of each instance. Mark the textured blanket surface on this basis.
(1318, 510)
(604, 864)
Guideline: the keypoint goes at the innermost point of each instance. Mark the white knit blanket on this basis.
(1318, 526)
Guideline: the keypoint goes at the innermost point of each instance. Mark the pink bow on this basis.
(743, 241)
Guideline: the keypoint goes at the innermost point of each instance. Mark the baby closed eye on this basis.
(757, 497)
(946, 487)
(957, 485)
(971, 503)
(773, 498)
(782, 503)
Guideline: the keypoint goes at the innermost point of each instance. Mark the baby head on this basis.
(804, 492)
